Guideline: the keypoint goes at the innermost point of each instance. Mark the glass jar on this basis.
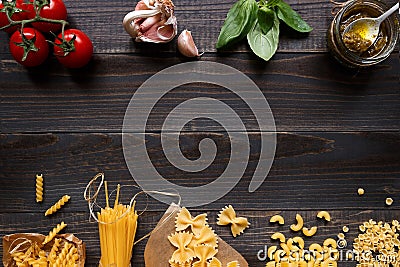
(367, 8)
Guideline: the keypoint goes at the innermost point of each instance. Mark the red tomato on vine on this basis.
(29, 48)
(49, 9)
(74, 50)
(17, 10)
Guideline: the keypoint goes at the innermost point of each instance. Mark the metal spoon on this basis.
(368, 28)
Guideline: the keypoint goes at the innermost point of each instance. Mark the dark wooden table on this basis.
(338, 130)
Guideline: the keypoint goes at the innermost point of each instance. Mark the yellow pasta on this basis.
(345, 229)
(53, 232)
(233, 264)
(299, 241)
(299, 225)
(181, 241)
(51, 258)
(315, 247)
(39, 188)
(324, 215)
(214, 262)
(309, 232)
(207, 236)
(203, 253)
(330, 242)
(61, 202)
(184, 220)
(228, 216)
(279, 236)
(271, 251)
(277, 218)
(270, 264)
(61, 258)
(389, 201)
(117, 229)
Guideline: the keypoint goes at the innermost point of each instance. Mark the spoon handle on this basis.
(388, 13)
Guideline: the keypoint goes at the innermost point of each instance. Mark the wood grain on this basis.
(102, 20)
(310, 171)
(306, 92)
(248, 244)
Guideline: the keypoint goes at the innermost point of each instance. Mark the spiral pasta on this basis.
(53, 252)
(39, 188)
(53, 232)
(63, 200)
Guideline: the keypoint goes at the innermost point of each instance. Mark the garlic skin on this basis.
(186, 45)
(152, 21)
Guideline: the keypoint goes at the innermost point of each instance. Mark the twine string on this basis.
(338, 5)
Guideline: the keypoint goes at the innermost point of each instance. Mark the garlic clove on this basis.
(186, 45)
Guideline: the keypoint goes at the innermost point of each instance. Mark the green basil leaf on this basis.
(265, 18)
(291, 18)
(239, 21)
(264, 45)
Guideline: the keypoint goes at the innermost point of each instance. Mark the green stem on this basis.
(36, 19)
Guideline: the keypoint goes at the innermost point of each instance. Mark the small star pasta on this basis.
(228, 216)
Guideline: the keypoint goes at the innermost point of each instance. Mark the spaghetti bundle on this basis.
(117, 229)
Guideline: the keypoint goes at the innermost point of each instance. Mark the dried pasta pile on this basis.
(195, 241)
(117, 228)
(292, 251)
(62, 254)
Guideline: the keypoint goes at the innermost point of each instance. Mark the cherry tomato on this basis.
(50, 9)
(18, 10)
(75, 51)
(30, 49)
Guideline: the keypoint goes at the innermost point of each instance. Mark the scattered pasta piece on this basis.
(233, 264)
(228, 216)
(181, 241)
(299, 225)
(315, 247)
(360, 191)
(345, 229)
(53, 232)
(207, 236)
(389, 201)
(61, 202)
(309, 232)
(324, 215)
(330, 242)
(277, 218)
(185, 220)
(278, 236)
(214, 262)
(203, 253)
(341, 236)
(39, 188)
(271, 251)
(53, 252)
(299, 241)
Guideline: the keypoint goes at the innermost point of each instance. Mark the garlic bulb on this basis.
(186, 45)
(152, 21)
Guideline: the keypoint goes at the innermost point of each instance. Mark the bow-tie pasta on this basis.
(228, 216)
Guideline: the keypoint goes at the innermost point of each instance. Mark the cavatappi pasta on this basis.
(61, 202)
(117, 229)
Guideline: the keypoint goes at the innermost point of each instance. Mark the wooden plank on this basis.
(102, 21)
(248, 244)
(306, 92)
(310, 170)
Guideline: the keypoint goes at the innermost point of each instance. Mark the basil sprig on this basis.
(260, 22)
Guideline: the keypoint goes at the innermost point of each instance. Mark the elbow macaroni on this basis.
(324, 215)
(278, 236)
(309, 232)
(277, 218)
(297, 227)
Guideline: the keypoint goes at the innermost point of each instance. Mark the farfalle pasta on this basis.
(228, 216)
(203, 253)
(195, 242)
(185, 220)
(182, 253)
